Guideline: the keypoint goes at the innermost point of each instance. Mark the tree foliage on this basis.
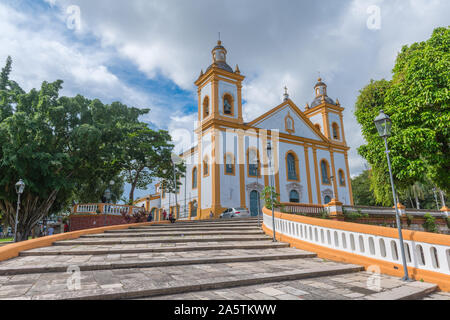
(146, 153)
(64, 148)
(362, 191)
(418, 101)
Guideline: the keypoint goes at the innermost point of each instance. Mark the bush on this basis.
(324, 215)
(448, 222)
(136, 217)
(430, 223)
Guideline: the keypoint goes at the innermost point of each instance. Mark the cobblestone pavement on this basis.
(358, 286)
(202, 260)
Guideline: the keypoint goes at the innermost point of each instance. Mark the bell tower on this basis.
(220, 90)
(326, 114)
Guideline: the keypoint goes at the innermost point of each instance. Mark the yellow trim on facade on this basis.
(215, 205)
(241, 167)
(316, 172)
(308, 174)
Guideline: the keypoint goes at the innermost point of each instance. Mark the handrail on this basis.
(104, 208)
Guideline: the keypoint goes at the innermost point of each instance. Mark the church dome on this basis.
(221, 65)
(317, 101)
(219, 55)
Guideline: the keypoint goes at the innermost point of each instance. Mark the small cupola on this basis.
(219, 53)
(320, 88)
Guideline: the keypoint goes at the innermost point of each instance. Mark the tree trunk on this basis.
(133, 185)
(412, 204)
(32, 210)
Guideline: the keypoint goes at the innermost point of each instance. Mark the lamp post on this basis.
(20, 186)
(175, 160)
(384, 124)
(269, 155)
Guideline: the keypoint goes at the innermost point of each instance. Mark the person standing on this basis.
(50, 230)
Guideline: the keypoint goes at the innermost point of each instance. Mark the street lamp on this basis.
(384, 124)
(20, 186)
(269, 155)
(175, 160)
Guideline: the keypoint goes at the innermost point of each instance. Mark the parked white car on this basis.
(235, 213)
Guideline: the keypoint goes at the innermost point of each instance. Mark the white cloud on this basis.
(274, 43)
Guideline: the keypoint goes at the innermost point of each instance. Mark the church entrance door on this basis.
(254, 201)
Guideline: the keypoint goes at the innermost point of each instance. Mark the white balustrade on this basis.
(421, 255)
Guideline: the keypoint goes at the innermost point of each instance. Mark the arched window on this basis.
(194, 178)
(229, 164)
(205, 167)
(335, 128)
(294, 196)
(317, 126)
(341, 178)
(325, 171)
(205, 107)
(253, 162)
(327, 199)
(292, 166)
(228, 107)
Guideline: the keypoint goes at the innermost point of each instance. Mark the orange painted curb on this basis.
(12, 250)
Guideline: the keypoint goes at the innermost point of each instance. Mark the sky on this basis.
(148, 53)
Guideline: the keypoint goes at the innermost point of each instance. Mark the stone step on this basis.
(233, 223)
(157, 229)
(171, 233)
(163, 240)
(359, 286)
(139, 289)
(414, 290)
(132, 249)
(54, 267)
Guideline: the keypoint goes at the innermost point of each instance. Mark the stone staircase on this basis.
(212, 259)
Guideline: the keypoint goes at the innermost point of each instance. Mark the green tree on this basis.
(362, 191)
(145, 152)
(270, 196)
(55, 144)
(418, 102)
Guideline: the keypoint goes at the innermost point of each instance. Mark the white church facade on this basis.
(228, 167)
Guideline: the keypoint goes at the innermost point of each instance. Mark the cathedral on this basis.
(301, 153)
